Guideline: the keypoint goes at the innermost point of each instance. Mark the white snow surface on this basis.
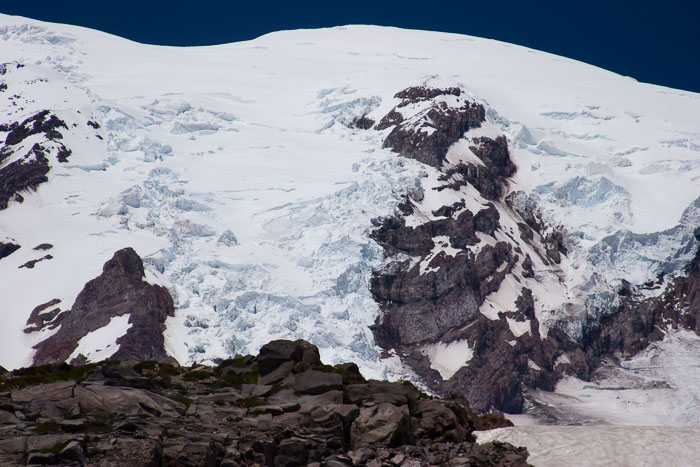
(659, 386)
(102, 343)
(589, 446)
(447, 359)
(231, 170)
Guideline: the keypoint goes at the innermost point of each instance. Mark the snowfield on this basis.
(602, 446)
(233, 171)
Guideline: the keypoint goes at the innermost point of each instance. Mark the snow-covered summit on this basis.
(236, 173)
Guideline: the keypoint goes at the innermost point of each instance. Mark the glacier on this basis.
(236, 173)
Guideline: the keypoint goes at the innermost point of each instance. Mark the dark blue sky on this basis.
(656, 42)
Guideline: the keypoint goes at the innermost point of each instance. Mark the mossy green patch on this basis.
(31, 376)
(148, 365)
(247, 402)
(46, 428)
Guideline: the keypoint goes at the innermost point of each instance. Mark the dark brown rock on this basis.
(382, 425)
(435, 421)
(427, 137)
(152, 413)
(119, 290)
(40, 317)
(41, 122)
(363, 123)
(32, 263)
(274, 353)
(6, 249)
(317, 382)
(26, 173)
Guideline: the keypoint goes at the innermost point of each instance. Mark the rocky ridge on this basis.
(120, 290)
(445, 264)
(283, 407)
(442, 269)
(24, 165)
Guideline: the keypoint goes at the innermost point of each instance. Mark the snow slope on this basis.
(232, 171)
(658, 386)
(583, 446)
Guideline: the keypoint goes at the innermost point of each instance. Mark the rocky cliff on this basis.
(120, 291)
(283, 407)
(461, 262)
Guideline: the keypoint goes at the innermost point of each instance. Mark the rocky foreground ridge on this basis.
(283, 407)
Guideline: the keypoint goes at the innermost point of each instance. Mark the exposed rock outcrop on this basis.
(153, 413)
(26, 173)
(119, 290)
(30, 168)
(42, 122)
(439, 273)
(7, 248)
(434, 119)
(640, 320)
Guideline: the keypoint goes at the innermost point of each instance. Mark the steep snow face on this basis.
(233, 170)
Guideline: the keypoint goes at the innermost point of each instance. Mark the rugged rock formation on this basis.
(640, 320)
(428, 121)
(119, 290)
(436, 282)
(26, 173)
(488, 178)
(42, 122)
(283, 407)
(27, 170)
(6, 249)
(441, 268)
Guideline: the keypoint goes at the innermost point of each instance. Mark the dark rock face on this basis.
(488, 179)
(31, 169)
(363, 123)
(439, 298)
(119, 290)
(553, 238)
(275, 353)
(6, 249)
(31, 263)
(42, 122)
(154, 413)
(41, 316)
(639, 321)
(427, 135)
(23, 174)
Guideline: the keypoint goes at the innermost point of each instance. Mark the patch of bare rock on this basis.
(29, 169)
(281, 408)
(119, 290)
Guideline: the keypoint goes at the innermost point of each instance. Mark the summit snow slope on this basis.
(233, 172)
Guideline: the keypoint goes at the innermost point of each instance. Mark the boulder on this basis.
(73, 452)
(275, 353)
(377, 392)
(96, 399)
(433, 420)
(382, 425)
(317, 382)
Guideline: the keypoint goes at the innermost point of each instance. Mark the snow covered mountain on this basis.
(477, 216)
